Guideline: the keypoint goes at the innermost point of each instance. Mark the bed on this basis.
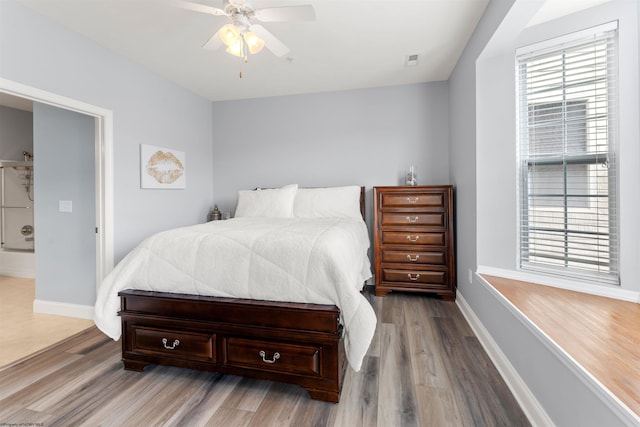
(274, 293)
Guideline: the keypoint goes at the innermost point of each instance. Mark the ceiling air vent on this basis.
(411, 60)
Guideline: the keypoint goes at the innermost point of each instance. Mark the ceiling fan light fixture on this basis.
(254, 43)
(237, 49)
(230, 35)
(243, 35)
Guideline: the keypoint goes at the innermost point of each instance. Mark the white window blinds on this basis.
(566, 159)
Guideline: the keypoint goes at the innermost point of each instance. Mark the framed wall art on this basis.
(162, 167)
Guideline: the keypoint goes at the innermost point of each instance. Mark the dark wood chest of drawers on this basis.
(414, 240)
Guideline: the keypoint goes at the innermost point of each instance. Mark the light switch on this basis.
(65, 206)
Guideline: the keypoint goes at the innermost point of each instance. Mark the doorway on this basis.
(103, 129)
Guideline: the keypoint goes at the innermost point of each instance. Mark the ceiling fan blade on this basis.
(214, 42)
(287, 13)
(197, 7)
(270, 41)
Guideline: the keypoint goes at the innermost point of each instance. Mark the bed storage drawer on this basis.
(176, 344)
(157, 328)
(272, 356)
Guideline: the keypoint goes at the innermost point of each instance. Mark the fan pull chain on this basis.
(244, 49)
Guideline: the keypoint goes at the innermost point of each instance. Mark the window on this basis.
(566, 156)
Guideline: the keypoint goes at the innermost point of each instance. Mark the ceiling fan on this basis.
(243, 35)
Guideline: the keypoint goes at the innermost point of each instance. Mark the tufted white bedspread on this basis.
(322, 261)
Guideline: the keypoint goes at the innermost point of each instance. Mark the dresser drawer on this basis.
(177, 344)
(413, 238)
(413, 200)
(414, 257)
(273, 356)
(429, 219)
(414, 277)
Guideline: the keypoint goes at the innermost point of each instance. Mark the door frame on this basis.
(103, 164)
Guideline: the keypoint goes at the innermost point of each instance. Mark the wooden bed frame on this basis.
(278, 341)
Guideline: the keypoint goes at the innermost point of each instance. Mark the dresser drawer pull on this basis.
(276, 356)
(413, 201)
(414, 239)
(413, 259)
(414, 219)
(170, 347)
(412, 277)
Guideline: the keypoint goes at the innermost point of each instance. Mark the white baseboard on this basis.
(63, 309)
(534, 411)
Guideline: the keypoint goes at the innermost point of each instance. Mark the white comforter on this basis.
(321, 261)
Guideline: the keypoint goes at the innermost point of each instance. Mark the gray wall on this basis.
(64, 170)
(16, 133)
(496, 161)
(361, 137)
(479, 136)
(147, 109)
(462, 138)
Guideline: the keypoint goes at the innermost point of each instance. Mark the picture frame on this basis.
(162, 168)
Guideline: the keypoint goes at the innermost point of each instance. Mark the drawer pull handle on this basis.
(413, 278)
(170, 347)
(413, 201)
(276, 356)
(413, 259)
(414, 219)
(414, 239)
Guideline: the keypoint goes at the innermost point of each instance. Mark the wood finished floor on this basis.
(424, 368)
(601, 334)
(24, 332)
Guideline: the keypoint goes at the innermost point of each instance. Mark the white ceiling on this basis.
(352, 44)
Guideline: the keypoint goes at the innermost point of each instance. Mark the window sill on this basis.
(610, 358)
(609, 291)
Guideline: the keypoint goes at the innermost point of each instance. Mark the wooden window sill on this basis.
(601, 334)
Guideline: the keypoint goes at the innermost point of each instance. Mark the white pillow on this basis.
(269, 203)
(342, 202)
